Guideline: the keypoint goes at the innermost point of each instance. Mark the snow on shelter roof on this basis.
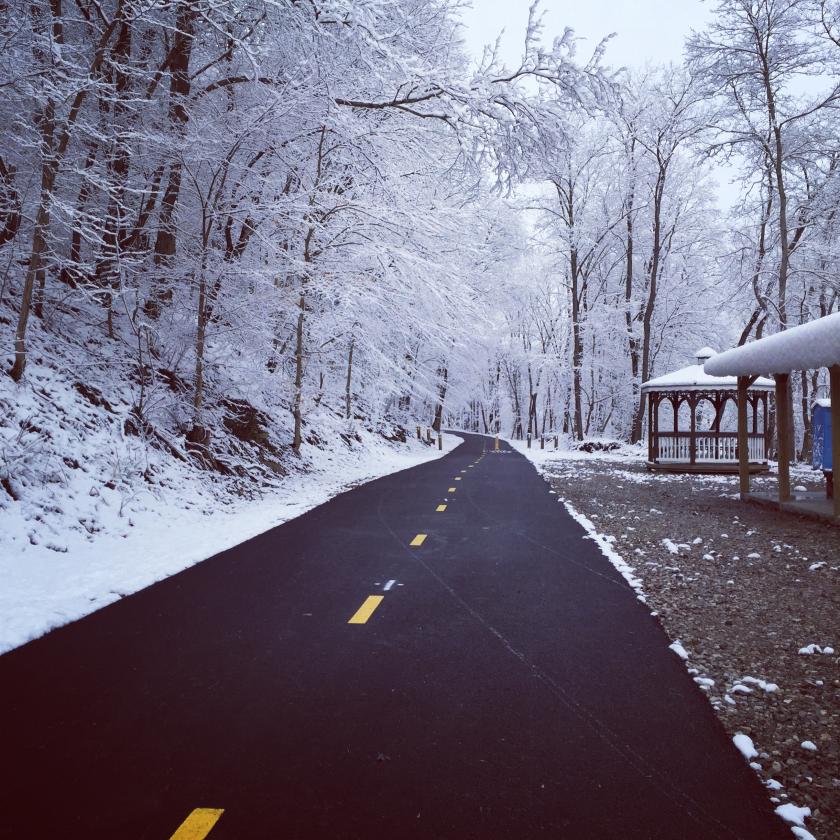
(695, 378)
(812, 345)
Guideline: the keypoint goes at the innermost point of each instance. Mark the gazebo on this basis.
(692, 420)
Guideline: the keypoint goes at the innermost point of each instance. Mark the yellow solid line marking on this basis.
(457, 478)
(440, 508)
(418, 540)
(451, 489)
(198, 824)
(366, 610)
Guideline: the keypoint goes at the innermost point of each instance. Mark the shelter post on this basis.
(783, 433)
(743, 444)
(834, 379)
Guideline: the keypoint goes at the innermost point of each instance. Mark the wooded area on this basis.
(235, 218)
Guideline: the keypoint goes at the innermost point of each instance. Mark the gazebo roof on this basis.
(694, 378)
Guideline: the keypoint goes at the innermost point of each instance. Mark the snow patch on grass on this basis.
(811, 649)
(677, 647)
(769, 687)
(793, 814)
(745, 746)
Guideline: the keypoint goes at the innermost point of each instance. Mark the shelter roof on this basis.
(812, 345)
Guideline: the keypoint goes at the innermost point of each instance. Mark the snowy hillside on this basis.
(91, 510)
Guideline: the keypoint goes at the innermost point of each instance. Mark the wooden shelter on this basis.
(806, 347)
(683, 442)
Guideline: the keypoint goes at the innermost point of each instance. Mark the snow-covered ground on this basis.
(53, 573)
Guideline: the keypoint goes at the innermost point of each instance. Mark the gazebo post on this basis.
(692, 443)
(783, 433)
(743, 445)
(653, 424)
(650, 425)
(834, 380)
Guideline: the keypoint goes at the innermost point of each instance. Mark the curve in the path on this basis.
(498, 679)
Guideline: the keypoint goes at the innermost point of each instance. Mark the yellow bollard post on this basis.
(496, 446)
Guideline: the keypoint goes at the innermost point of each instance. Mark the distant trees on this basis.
(640, 265)
(319, 206)
(274, 201)
(625, 232)
(770, 67)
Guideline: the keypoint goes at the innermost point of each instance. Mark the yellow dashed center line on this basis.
(418, 540)
(198, 824)
(451, 489)
(440, 508)
(366, 610)
(457, 478)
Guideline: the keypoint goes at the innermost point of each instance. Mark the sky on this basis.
(646, 30)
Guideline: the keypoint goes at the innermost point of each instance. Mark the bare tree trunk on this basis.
(532, 402)
(347, 393)
(443, 376)
(577, 348)
(298, 397)
(650, 303)
(166, 241)
(71, 274)
(107, 268)
(494, 420)
(49, 164)
(10, 204)
(200, 340)
(784, 242)
(629, 316)
(36, 257)
(807, 443)
(52, 151)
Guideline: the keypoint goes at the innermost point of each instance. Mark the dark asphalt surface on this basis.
(511, 687)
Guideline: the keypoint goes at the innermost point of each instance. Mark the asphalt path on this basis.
(503, 682)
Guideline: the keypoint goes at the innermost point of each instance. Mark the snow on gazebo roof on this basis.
(812, 345)
(695, 378)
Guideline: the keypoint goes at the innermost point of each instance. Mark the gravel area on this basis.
(745, 590)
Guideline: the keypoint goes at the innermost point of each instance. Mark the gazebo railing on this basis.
(709, 447)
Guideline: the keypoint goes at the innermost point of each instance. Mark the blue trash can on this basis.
(821, 458)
